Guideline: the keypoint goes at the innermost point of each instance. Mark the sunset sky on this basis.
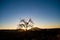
(44, 13)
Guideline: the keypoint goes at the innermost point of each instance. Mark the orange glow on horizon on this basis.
(39, 26)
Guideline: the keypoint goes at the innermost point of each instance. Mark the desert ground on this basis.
(35, 34)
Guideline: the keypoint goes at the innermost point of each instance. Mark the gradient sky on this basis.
(44, 13)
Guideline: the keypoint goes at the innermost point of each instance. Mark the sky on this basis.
(44, 13)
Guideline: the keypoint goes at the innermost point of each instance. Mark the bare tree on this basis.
(26, 24)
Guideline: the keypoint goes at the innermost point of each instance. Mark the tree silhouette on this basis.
(25, 24)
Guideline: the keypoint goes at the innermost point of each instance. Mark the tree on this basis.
(25, 24)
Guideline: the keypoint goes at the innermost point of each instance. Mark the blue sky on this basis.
(43, 12)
